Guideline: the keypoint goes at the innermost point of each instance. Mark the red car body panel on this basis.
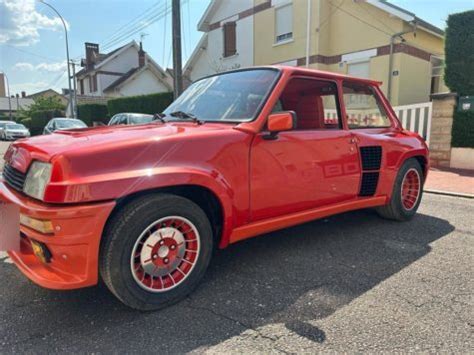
(261, 185)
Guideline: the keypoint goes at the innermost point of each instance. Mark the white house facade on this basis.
(227, 42)
(126, 71)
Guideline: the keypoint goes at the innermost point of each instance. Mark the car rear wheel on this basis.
(406, 194)
(155, 251)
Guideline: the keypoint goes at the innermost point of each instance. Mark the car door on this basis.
(314, 165)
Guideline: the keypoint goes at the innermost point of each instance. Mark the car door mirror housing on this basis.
(279, 122)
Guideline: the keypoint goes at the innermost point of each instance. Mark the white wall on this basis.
(145, 83)
(120, 64)
(210, 60)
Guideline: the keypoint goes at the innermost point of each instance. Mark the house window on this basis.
(230, 40)
(284, 23)
(437, 71)
(81, 85)
(93, 83)
(359, 69)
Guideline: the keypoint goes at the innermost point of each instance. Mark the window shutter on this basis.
(230, 45)
(284, 22)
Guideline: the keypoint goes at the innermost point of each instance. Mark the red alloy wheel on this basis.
(411, 188)
(165, 254)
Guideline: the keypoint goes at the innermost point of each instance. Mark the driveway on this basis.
(349, 283)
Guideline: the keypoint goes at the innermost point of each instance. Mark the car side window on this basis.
(314, 101)
(363, 108)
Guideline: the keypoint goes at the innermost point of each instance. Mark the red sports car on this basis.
(236, 155)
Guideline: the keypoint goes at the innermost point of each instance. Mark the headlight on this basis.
(37, 178)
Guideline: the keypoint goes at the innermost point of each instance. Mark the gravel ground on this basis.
(350, 283)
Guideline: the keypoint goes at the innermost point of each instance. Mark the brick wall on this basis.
(441, 126)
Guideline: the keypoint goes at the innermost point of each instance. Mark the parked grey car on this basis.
(130, 118)
(11, 131)
(62, 124)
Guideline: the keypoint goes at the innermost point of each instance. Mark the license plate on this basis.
(9, 227)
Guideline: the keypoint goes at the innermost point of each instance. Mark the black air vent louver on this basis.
(369, 184)
(371, 157)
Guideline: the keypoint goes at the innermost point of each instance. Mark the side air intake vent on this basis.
(371, 157)
(369, 184)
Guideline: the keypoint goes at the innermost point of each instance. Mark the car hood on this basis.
(16, 130)
(88, 141)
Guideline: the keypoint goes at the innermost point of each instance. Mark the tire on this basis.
(407, 193)
(164, 233)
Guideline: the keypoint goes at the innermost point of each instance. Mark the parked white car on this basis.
(11, 131)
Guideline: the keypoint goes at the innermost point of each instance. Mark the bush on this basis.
(459, 48)
(90, 113)
(463, 129)
(151, 104)
(39, 119)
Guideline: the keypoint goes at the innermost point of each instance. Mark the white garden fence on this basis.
(415, 118)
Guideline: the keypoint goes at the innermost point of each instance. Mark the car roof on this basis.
(304, 71)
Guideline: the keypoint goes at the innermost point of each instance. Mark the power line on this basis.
(30, 53)
(142, 21)
(149, 22)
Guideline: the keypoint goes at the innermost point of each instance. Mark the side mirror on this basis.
(278, 122)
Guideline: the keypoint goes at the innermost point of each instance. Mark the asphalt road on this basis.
(350, 283)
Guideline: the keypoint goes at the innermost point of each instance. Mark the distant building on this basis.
(15, 103)
(125, 71)
(350, 37)
(49, 93)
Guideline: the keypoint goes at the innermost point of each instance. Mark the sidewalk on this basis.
(453, 181)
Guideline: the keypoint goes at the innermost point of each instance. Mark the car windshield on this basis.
(69, 123)
(14, 126)
(140, 119)
(234, 96)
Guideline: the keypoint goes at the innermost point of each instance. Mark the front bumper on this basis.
(74, 245)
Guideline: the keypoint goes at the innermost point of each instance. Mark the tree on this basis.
(459, 49)
(41, 104)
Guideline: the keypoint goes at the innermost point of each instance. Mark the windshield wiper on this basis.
(159, 117)
(187, 116)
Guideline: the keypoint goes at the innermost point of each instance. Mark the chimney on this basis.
(92, 53)
(23, 94)
(141, 56)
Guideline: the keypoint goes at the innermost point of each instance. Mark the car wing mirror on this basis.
(279, 122)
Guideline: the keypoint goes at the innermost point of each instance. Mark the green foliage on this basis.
(463, 129)
(42, 104)
(39, 119)
(90, 113)
(151, 104)
(459, 48)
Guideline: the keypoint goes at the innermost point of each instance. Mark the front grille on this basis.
(13, 177)
(371, 157)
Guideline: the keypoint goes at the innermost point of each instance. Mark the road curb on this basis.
(448, 193)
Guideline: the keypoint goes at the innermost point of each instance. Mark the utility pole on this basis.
(177, 65)
(74, 107)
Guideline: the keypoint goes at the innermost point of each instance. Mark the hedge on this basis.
(459, 49)
(463, 129)
(90, 113)
(151, 104)
(40, 119)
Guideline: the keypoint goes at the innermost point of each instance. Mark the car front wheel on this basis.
(155, 251)
(406, 194)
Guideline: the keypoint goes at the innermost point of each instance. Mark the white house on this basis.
(126, 71)
(227, 42)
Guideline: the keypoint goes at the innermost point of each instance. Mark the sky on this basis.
(32, 42)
